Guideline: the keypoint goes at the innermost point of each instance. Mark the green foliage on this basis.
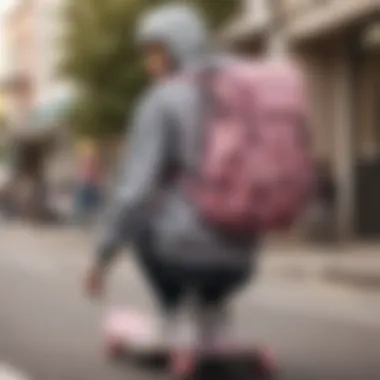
(102, 61)
(218, 12)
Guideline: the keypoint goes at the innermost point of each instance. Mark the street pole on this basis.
(277, 42)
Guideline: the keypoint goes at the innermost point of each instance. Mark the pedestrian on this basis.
(88, 194)
(180, 251)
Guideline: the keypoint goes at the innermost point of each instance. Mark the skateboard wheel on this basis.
(114, 349)
(267, 365)
(183, 366)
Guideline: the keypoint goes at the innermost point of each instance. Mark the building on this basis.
(20, 35)
(32, 32)
(49, 31)
(38, 98)
(337, 42)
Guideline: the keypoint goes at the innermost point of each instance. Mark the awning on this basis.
(50, 115)
(47, 119)
(330, 18)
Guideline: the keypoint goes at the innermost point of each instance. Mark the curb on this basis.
(366, 281)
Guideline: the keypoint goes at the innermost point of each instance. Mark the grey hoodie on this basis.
(166, 133)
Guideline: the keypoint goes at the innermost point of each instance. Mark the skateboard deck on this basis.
(131, 335)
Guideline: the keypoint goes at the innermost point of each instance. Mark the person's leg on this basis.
(166, 288)
(213, 312)
(168, 291)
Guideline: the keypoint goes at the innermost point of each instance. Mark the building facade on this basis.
(21, 42)
(337, 42)
(49, 31)
(33, 29)
(38, 99)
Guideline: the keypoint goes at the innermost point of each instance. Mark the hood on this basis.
(179, 28)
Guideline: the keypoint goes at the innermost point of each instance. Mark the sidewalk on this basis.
(354, 265)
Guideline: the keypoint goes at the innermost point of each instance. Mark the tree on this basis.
(102, 61)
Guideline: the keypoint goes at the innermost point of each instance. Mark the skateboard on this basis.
(228, 363)
(129, 336)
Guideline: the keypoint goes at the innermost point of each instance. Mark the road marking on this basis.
(8, 372)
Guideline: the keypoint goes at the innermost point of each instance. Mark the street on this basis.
(49, 331)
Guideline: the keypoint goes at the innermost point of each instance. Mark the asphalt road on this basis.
(49, 331)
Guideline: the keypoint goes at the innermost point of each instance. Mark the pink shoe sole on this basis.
(182, 366)
(115, 349)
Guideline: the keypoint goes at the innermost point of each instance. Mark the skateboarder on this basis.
(180, 251)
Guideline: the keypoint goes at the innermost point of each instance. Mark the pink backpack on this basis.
(257, 170)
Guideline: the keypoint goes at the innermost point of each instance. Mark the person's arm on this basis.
(140, 177)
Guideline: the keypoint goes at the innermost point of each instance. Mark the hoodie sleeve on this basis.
(139, 179)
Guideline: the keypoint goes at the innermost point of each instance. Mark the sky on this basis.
(5, 5)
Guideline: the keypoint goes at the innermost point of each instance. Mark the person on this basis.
(89, 183)
(179, 252)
